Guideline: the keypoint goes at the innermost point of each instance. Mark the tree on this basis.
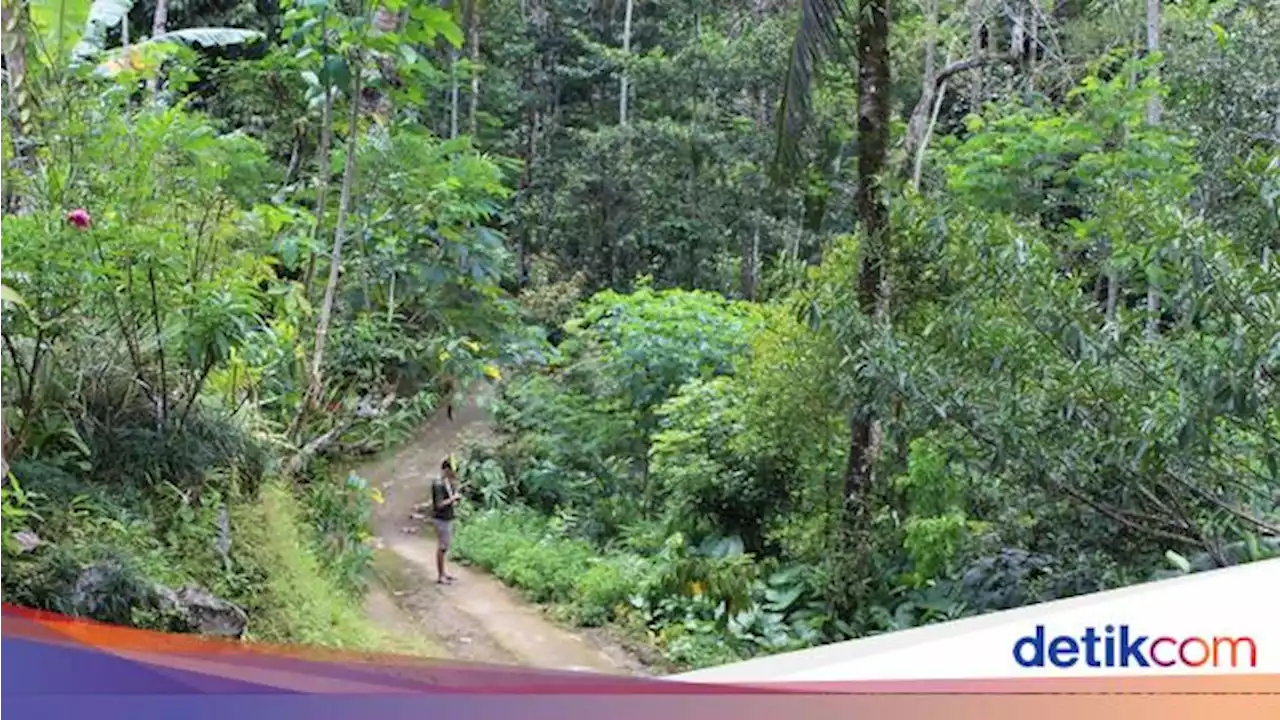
(873, 210)
(817, 37)
(316, 385)
(18, 103)
(1153, 118)
(624, 90)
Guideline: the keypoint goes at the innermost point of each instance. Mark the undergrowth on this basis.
(297, 600)
(589, 587)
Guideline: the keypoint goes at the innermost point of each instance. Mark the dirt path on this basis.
(478, 618)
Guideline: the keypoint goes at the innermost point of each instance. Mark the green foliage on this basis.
(1070, 382)
(158, 307)
(646, 344)
(342, 514)
(546, 568)
(587, 427)
(715, 477)
(15, 510)
(292, 598)
(1037, 440)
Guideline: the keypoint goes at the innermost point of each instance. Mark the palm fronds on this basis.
(823, 34)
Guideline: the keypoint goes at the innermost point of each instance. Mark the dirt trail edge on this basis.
(478, 618)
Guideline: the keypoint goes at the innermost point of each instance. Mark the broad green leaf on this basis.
(1219, 35)
(146, 52)
(438, 21)
(335, 72)
(206, 37)
(783, 599)
(59, 23)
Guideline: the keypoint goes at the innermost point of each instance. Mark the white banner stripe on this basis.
(1178, 620)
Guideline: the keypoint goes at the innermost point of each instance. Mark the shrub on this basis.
(607, 586)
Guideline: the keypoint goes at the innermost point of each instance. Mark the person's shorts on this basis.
(444, 532)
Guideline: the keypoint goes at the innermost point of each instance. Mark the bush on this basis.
(523, 549)
(341, 514)
(606, 588)
(548, 570)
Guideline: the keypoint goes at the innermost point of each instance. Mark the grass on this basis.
(296, 602)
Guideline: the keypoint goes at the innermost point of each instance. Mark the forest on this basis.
(802, 320)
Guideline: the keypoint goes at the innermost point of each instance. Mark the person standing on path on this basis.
(444, 497)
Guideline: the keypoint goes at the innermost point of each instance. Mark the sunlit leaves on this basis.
(432, 21)
(60, 24)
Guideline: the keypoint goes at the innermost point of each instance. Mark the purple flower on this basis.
(80, 218)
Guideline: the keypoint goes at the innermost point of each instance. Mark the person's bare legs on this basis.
(444, 535)
(440, 576)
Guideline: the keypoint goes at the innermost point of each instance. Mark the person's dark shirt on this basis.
(439, 496)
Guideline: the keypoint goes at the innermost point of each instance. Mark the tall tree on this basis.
(1153, 118)
(625, 90)
(339, 238)
(817, 38)
(873, 210)
(1153, 46)
(471, 24)
(160, 18)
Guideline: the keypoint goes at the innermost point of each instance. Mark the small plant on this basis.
(17, 507)
(342, 515)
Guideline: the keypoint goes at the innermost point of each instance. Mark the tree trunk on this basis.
(339, 239)
(322, 189)
(18, 102)
(749, 247)
(1018, 36)
(625, 90)
(533, 119)
(160, 19)
(158, 22)
(917, 169)
(1153, 46)
(975, 50)
(1153, 118)
(873, 212)
(1033, 49)
(473, 54)
(917, 126)
(930, 41)
(453, 94)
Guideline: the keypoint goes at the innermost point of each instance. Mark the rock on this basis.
(408, 530)
(210, 615)
(417, 516)
(110, 592)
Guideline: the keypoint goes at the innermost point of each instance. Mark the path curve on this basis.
(478, 618)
